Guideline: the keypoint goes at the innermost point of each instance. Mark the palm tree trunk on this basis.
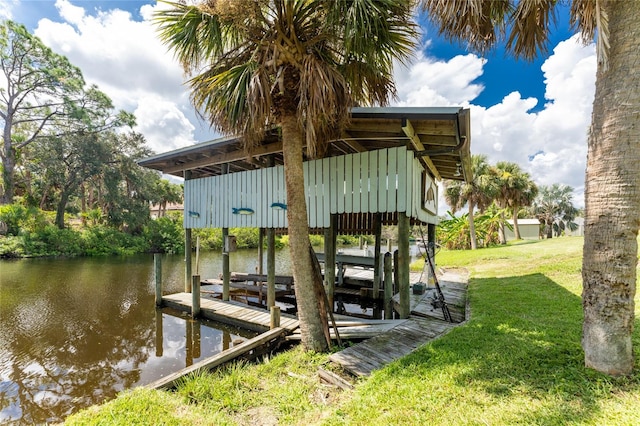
(501, 235)
(472, 228)
(612, 196)
(304, 275)
(516, 229)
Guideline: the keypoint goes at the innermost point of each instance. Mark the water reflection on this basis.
(74, 332)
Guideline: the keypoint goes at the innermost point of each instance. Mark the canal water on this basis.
(75, 332)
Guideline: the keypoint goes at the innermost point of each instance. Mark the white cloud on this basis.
(430, 82)
(550, 144)
(125, 58)
(6, 8)
(163, 124)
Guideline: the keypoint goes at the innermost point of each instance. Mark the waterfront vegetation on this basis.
(31, 232)
(517, 361)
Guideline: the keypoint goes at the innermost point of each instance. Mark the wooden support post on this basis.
(275, 317)
(389, 244)
(377, 264)
(388, 286)
(187, 261)
(271, 267)
(396, 283)
(361, 242)
(226, 272)
(403, 265)
(157, 273)
(195, 296)
(260, 250)
(330, 259)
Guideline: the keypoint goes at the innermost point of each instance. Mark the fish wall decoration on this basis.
(278, 206)
(242, 210)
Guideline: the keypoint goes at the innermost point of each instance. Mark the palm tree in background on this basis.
(612, 189)
(298, 64)
(515, 190)
(554, 208)
(479, 192)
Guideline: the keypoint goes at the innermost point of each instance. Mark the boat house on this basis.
(383, 170)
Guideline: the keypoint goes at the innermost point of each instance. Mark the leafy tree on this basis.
(166, 192)
(612, 175)
(127, 187)
(300, 64)
(554, 208)
(515, 190)
(66, 162)
(43, 95)
(479, 192)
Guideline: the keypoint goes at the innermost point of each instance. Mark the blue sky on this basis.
(533, 113)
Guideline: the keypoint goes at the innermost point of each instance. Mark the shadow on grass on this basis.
(522, 344)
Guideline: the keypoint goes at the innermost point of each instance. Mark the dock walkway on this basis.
(424, 324)
(231, 312)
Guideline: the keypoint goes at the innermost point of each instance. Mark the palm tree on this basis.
(612, 175)
(515, 190)
(299, 64)
(479, 192)
(554, 208)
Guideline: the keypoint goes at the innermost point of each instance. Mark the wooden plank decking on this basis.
(233, 313)
(423, 325)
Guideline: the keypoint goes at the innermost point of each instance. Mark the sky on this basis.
(535, 114)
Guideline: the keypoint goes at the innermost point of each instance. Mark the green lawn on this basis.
(517, 361)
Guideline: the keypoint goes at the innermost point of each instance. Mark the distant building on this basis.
(529, 229)
(157, 210)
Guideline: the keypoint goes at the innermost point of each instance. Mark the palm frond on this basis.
(530, 27)
(589, 16)
(325, 98)
(480, 23)
(223, 96)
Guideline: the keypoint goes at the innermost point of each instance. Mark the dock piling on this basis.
(275, 317)
(388, 287)
(195, 294)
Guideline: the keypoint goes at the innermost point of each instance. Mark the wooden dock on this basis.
(388, 340)
(230, 354)
(424, 324)
(231, 312)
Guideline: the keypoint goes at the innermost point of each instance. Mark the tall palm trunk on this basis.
(502, 236)
(311, 324)
(516, 228)
(472, 228)
(613, 200)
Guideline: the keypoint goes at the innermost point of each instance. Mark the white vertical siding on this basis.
(386, 180)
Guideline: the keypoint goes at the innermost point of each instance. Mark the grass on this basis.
(517, 361)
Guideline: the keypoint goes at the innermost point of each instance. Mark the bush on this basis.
(19, 218)
(104, 241)
(52, 241)
(165, 235)
(11, 246)
(210, 238)
(246, 237)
